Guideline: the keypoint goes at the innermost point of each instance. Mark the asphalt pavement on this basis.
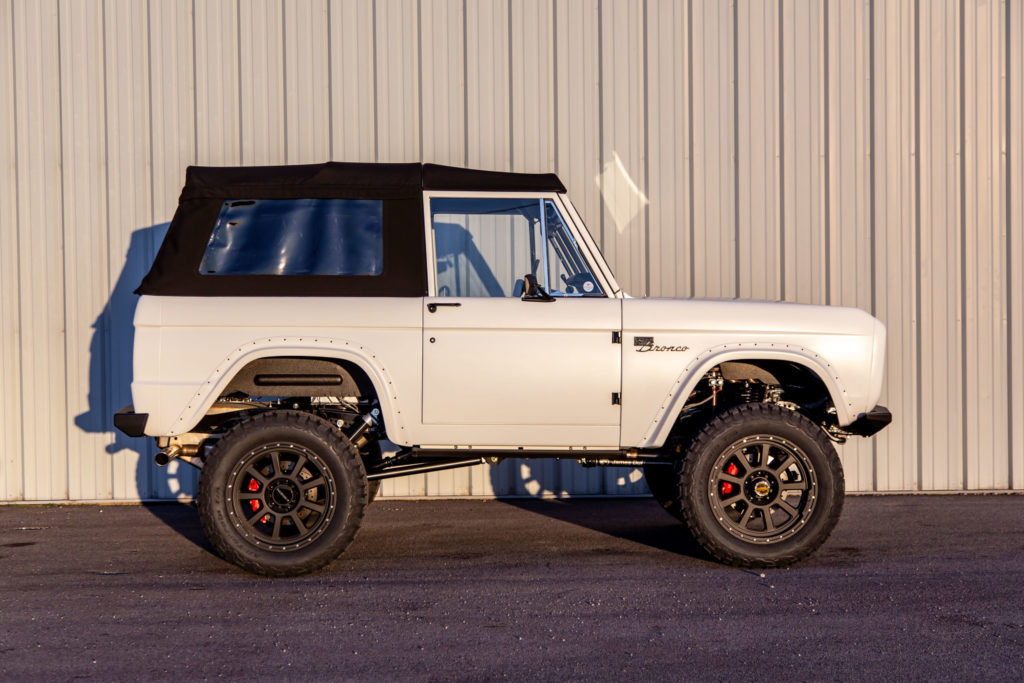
(925, 587)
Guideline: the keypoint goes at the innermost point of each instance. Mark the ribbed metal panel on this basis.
(11, 441)
(261, 71)
(42, 284)
(866, 153)
(1014, 230)
(893, 211)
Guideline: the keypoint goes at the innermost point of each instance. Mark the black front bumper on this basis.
(130, 422)
(871, 422)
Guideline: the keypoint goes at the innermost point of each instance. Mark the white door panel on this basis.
(494, 361)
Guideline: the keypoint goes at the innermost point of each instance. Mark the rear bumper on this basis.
(871, 422)
(130, 422)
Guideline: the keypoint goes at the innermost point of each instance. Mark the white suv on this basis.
(295, 316)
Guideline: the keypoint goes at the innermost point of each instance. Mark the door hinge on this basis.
(616, 337)
(616, 399)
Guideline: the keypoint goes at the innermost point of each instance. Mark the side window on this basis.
(296, 237)
(484, 247)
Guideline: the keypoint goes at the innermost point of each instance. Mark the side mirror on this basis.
(534, 292)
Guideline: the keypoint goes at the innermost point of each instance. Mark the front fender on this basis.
(657, 431)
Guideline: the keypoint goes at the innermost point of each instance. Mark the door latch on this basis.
(432, 307)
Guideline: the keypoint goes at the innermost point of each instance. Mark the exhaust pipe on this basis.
(164, 456)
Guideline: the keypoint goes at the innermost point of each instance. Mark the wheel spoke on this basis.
(746, 516)
(793, 512)
(762, 455)
(315, 507)
(299, 464)
(276, 458)
(731, 479)
(257, 475)
(312, 483)
(251, 495)
(766, 513)
(255, 517)
(276, 533)
(298, 523)
(794, 486)
(786, 463)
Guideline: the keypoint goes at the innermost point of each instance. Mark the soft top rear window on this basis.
(296, 237)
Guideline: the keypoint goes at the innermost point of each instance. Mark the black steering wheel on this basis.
(579, 283)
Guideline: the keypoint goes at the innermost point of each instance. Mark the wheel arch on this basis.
(755, 353)
(301, 376)
(356, 361)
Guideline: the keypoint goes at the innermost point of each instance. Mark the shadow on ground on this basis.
(183, 518)
(640, 520)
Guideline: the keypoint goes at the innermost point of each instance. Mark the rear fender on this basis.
(322, 348)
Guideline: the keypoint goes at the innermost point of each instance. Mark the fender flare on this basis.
(659, 428)
(327, 348)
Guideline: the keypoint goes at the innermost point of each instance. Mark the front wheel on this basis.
(282, 493)
(761, 486)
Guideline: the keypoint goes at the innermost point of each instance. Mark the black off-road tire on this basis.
(663, 483)
(766, 457)
(282, 493)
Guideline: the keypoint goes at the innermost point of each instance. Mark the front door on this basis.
(507, 365)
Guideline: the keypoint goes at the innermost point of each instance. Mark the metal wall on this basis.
(855, 152)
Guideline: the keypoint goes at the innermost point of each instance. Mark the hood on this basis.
(750, 318)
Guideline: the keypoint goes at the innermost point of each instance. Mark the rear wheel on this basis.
(761, 486)
(282, 493)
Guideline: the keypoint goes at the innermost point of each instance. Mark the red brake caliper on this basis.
(727, 486)
(255, 504)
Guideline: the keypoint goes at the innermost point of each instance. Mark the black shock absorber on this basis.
(365, 428)
(750, 392)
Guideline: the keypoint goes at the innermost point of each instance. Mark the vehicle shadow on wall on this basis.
(568, 492)
(110, 378)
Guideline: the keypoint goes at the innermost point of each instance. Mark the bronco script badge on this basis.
(644, 344)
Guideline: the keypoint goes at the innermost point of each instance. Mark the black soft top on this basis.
(347, 180)
(175, 271)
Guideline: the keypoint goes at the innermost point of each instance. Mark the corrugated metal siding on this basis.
(862, 153)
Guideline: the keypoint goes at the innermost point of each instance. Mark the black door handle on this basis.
(432, 307)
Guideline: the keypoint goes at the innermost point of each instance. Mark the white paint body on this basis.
(501, 373)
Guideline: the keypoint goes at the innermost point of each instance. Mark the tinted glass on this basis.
(296, 237)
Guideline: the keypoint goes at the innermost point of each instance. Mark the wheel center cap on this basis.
(282, 495)
(760, 487)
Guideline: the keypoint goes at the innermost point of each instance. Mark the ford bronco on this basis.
(296, 316)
